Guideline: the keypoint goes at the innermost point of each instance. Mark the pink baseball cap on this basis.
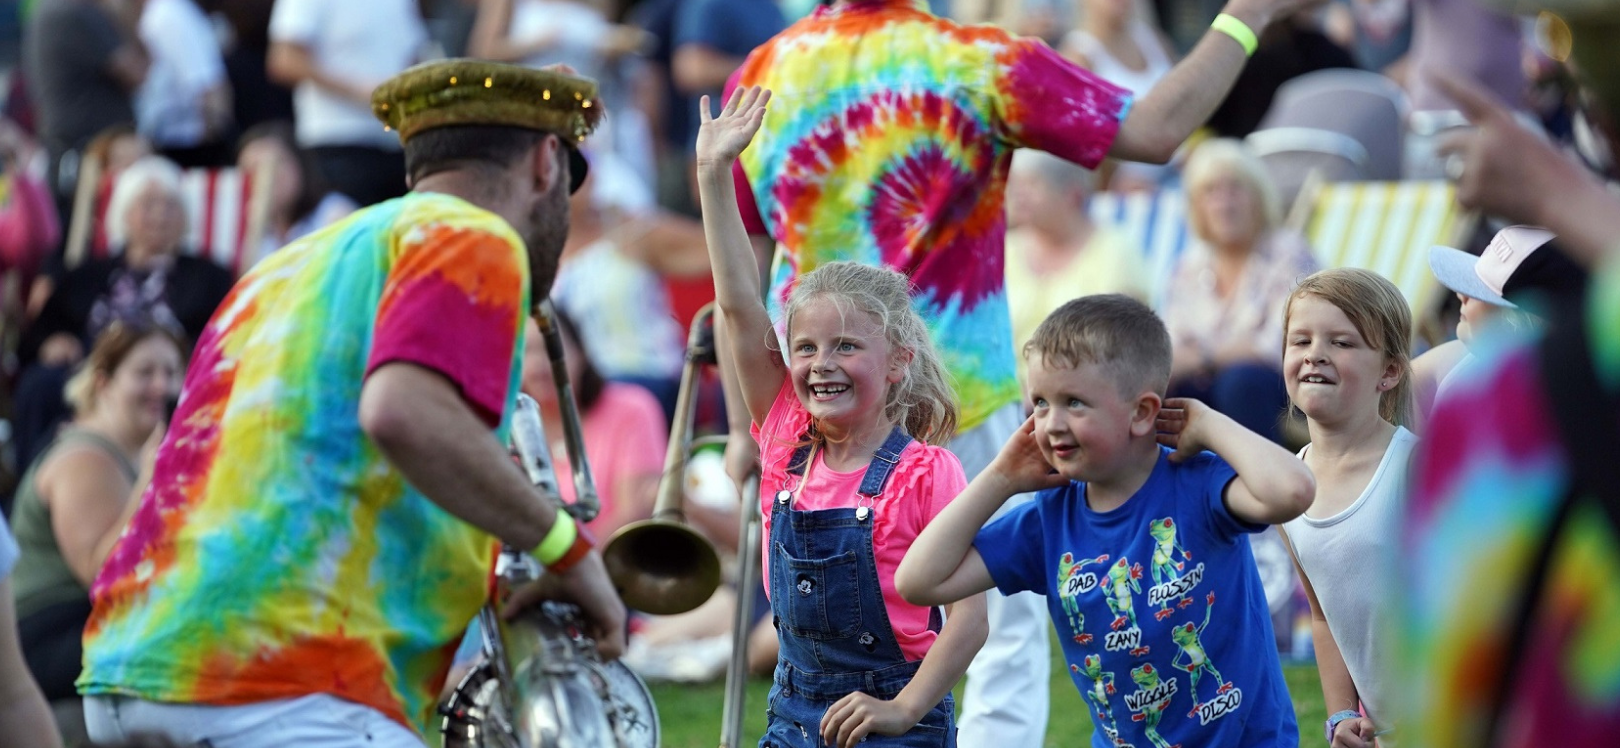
(1497, 270)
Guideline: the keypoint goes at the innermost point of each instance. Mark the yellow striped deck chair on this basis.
(1385, 227)
(1154, 221)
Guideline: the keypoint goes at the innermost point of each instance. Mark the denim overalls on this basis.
(830, 617)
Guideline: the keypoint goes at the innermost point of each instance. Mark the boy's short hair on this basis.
(1113, 331)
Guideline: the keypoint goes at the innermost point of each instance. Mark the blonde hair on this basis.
(1227, 157)
(1380, 315)
(112, 346)
(1112, 331)
(922, 401)
(146, 170)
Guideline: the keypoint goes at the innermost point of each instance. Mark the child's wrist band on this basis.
(1333, 721)
(558, 540)
(1239, 31)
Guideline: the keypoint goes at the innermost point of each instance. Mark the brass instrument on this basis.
(660, 565)
(540, 683)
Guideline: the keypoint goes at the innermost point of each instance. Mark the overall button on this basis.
(868, 640)
(806, 585)
(784, 496)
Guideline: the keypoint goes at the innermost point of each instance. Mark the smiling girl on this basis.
(1346, 363)
(849, 428)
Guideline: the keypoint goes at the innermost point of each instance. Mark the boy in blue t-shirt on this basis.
(1140, 549)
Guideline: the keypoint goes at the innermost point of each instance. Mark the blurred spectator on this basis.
(625, 433)
(1225, 314)
(1467, 39)
(666, 106)
(1288, 49)
(1047, 19)
(28, 223)
(107, 155)
(300, 201)
(84, 60)
(335, 53)
(256, 99)
(184, 106)
(72, 499)
(611, 285)
(712, 38)
(1381, 31)
(149, 280)
(24, 715)
(1054, 252)
(576, 33)
(1117, 45)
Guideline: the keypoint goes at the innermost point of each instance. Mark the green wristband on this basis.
(557, 541)
(1239, 31)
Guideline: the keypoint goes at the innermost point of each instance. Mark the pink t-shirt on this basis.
(921, 484)
(625, 435)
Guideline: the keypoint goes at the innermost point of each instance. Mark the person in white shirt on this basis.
(335, 53)
(184, 106)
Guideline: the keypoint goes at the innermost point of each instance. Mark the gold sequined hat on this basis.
(474, 92)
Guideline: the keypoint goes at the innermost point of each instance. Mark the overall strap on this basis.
(877, 471)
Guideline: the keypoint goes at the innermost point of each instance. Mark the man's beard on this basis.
(548, 232)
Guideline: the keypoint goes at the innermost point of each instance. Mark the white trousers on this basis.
(315, 721)
(1007, 696)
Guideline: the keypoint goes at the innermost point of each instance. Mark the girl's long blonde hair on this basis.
(1380, 315)
(922, 402)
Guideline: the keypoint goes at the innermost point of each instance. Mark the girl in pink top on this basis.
(848, 428)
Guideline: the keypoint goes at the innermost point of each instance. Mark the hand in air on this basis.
(1180, 426)
(858, 715)
(722, 139)
(1022, 465)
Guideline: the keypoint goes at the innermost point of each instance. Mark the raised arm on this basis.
(1272, 486)
(747, 326)
(942, 565)
(1185, 98)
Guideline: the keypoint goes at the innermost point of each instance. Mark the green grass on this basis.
(690, 714)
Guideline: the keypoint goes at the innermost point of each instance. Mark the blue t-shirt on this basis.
(1158, 605)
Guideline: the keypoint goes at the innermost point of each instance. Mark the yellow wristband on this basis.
(1238, 30)
(557, 541)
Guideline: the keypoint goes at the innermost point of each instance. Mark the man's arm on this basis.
(290, 64)
(1185, 98)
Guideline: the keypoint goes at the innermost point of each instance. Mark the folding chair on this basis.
(1387, 227)
(1295, 155)
(1365, 106)
(1155, 221)
(227, 214)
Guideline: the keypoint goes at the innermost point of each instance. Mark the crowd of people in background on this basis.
(111, 105)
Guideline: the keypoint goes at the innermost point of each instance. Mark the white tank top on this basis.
(1347, 558)
(1110, 69)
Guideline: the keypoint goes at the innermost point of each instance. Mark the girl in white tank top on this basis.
(1346, 363)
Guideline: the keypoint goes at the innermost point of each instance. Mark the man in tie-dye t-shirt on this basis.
(889, 144)
(323, 513)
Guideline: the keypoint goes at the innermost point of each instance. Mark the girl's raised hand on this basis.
(722, 139)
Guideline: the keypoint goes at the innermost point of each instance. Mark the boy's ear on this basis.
(898, 363)
(1145, 417)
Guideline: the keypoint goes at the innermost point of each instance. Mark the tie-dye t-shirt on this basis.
(1492, 472)
(277, 554)
(887, 143)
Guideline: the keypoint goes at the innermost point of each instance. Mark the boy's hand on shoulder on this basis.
(1021, 466)
(1181, 426)
(858, 715)
(721, 139)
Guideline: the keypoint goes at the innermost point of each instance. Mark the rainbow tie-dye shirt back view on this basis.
(887, 142)
(277, 553)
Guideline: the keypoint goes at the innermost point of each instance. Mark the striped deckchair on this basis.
(1155, 221)
(227, 213)
(1385, 227)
